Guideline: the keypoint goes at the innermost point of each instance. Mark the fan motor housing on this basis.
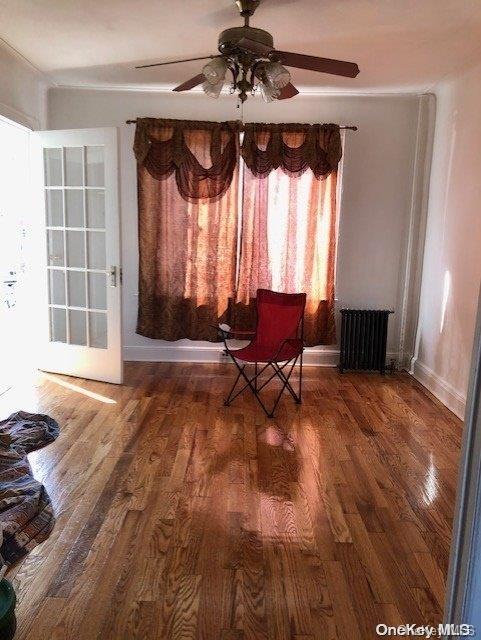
(229, 38)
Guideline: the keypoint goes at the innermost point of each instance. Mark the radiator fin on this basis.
(364, 339)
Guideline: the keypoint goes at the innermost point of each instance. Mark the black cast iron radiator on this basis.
(363, 339)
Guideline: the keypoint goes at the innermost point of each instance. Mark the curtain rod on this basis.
(349, 127)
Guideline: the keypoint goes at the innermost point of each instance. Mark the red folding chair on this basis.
(277, 342)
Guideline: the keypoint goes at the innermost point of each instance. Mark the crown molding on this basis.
(18, 118)
(49, 81)
(304, 91)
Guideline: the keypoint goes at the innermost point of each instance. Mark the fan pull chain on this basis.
(240, 105)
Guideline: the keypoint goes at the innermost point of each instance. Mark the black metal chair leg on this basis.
(248, 381)
(286, 382)
(281, 375)
(299, 400)
(255, 388)
(248, 384)
(228, 400)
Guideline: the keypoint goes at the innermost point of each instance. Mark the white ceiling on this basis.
(400, 45)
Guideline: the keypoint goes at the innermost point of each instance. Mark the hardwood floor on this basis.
(178, 518)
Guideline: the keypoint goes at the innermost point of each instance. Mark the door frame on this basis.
(462, 579)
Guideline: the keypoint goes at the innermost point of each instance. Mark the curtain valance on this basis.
(203, 155)
(292, 147)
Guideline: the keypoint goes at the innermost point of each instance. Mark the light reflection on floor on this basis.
(430, 483)
(78, 389)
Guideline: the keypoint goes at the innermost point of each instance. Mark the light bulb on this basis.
(277, 75)
(215, 70)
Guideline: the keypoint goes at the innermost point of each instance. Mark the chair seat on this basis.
(268, 353)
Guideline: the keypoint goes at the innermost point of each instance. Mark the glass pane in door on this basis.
(74, 166)
(76, 249)
(96, 208)
(76, 289)
(74, 207)
(57, 286)
(95, 166)
(77, 326)
(55, 246)
(53, 167)
(98, 330)
(97, 291)
(96, 249)
(54, 206)
(75, 215)
(58, 325)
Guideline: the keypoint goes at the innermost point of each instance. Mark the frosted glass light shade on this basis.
(277, 75)
(215, 70)
(268, 91)
(213, 90)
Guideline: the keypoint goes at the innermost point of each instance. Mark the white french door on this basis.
(77, 175)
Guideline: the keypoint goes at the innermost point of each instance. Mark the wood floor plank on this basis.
(343, 604)
(181, 519)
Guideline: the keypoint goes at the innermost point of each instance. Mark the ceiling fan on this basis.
(249, 55)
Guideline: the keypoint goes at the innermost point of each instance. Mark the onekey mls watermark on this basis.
(426, 631)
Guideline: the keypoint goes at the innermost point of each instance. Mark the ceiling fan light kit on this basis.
(212, 90)
(249, 55)
(276, 75)
(215, 70)
(268, 92)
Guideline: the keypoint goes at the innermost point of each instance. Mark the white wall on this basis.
(376, 201)
(23, 90)
(14, 210)
(452, 258)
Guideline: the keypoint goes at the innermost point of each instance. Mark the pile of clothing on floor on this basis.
(26, 514)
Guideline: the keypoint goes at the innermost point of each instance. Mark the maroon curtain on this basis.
(188, 213)
(267, 147)
(166, 147)
(289, 222)
(188, 224)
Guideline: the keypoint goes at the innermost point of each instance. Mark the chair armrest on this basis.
(226, 331)
(295, 342)
(242, 335)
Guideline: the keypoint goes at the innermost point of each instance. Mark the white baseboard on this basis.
(405, 360)
(313, 356)
(454, 399)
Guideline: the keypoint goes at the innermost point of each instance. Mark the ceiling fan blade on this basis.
(254, 47)
(322, 65)
(190, 84)
(289, 91)
(161, 64)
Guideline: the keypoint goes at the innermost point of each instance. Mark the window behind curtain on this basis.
(288, 244)
(188, 175)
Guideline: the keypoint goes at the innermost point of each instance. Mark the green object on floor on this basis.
(8, 622)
